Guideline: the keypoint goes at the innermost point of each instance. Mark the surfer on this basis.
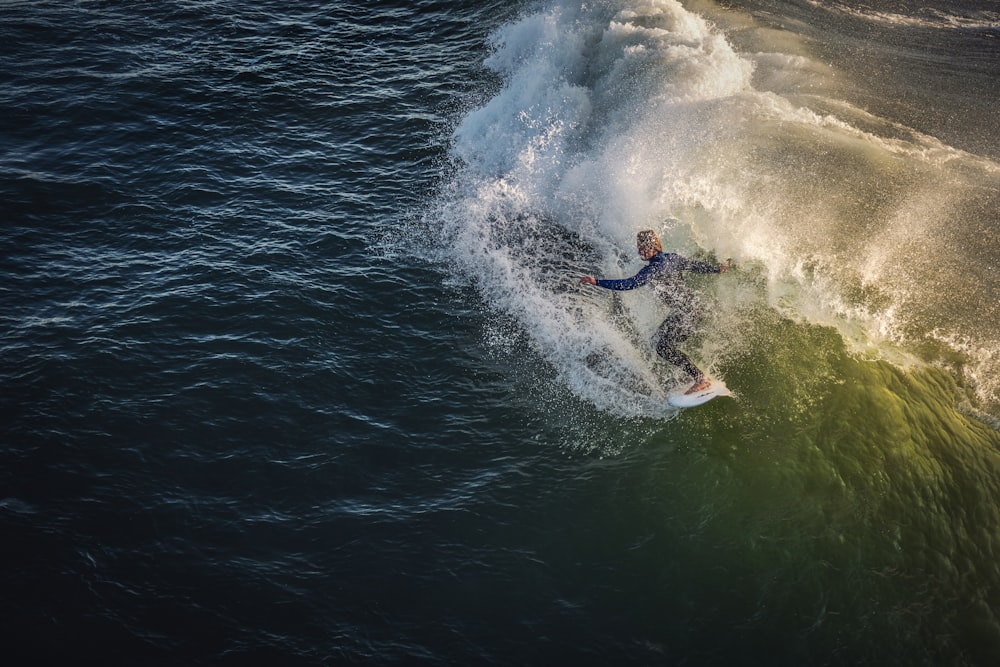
(664, 272)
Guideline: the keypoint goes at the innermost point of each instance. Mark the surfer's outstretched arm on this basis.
(645, 274)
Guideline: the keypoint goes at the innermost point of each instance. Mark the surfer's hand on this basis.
(588, 280)
(728, 265)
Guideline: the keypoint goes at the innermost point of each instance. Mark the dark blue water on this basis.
(296, 370)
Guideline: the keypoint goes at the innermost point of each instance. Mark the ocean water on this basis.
(296, 369)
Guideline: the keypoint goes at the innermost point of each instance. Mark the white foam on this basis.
(929, 18)
(630, 115)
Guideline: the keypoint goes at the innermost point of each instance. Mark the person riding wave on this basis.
(664, 272)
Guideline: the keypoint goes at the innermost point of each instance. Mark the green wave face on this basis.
(850, 495)
(862, 481)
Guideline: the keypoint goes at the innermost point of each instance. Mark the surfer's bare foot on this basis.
(701, 385)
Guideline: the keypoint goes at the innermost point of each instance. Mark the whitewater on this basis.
(616, 117)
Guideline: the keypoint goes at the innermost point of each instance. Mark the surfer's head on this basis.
(648, 243)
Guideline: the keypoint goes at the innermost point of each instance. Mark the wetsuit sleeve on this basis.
(694, 266)
(638, 280)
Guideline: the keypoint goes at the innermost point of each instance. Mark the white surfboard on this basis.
(679, 399)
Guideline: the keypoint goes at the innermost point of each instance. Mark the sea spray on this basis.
(543, 160)
(615, 117)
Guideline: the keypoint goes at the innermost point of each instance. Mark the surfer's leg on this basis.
(674, 330)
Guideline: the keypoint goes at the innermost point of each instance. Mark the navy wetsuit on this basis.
(664, 273)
